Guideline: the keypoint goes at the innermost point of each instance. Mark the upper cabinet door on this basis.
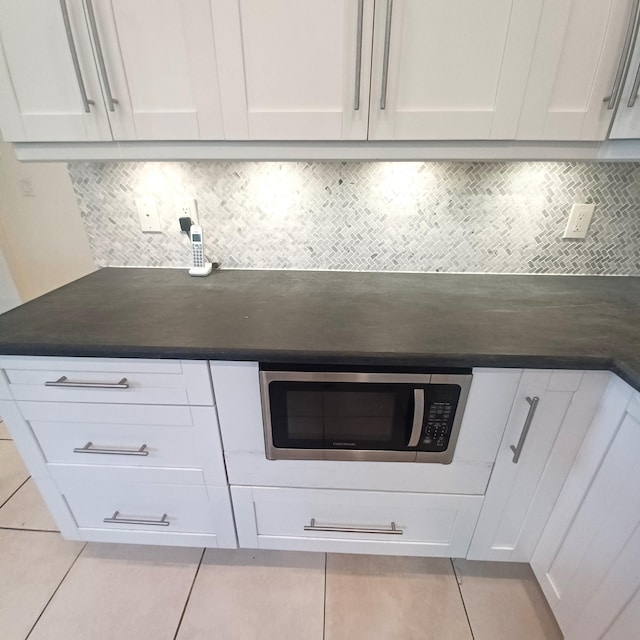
(627, 120)
(294, 69)
(450, 69)
(49, 88)
(159, 78)
(579, 51)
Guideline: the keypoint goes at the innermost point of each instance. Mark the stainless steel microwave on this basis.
(362, 415)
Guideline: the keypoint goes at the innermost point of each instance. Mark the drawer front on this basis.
(116, 380)
(129, 435)
(151, 513)
(355, 521)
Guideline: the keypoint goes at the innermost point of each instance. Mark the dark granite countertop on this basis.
(431, 320)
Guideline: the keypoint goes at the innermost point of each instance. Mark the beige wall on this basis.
(8, 294)
(42, 237)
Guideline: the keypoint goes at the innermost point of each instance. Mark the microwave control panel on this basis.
(439, 417)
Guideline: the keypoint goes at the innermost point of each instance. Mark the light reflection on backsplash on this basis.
(374, 216)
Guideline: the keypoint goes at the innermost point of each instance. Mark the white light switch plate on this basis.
(579, 221)
(148, 214)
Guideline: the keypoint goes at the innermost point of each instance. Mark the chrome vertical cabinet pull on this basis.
(634, 90)
(111, 101)
(629, 40)
(356, 95)
(517, 449)
(385, 59)
(74, 57)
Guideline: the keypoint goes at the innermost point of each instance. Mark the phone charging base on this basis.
(201, 271)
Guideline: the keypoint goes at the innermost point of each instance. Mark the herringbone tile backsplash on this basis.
(371, 216)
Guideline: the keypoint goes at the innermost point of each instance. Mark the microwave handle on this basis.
(418, 417)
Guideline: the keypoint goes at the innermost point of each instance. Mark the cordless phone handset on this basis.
(200, 266)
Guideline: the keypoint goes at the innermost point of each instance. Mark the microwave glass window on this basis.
(359, 415)
(340, 415)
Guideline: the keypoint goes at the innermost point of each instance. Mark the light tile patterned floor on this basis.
(52, 589)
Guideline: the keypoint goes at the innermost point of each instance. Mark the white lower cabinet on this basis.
(141, 461)
(587, 560)
(122, 450)
(355, 521)
(550, 416)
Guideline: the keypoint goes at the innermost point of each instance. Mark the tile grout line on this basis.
(16, 491)
(186, 604)
(64, 577)
(324, 604)
(28, 529)
(464, 606)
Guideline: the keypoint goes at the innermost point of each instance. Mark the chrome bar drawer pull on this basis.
(517, 450)
(89, 448)
(392, 530)
(114, 519)
(63, 381)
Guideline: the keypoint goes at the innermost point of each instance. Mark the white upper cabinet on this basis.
(108, 69)
(49, 87)
(92, 70)
(294, 69)
(450, 69)
(160, 65)
(627, 120)
(577, 69)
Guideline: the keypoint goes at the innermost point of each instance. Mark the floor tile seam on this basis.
(53, 595)
(30, 530)
(464, 604)
(16, 491)
(186, 604)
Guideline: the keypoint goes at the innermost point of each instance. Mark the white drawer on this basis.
(106, 380)
(175, 436)
(142, 497)
(425, 524)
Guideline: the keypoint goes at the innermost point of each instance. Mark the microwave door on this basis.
(418, 418)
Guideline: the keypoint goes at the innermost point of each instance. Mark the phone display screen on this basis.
(196, 237)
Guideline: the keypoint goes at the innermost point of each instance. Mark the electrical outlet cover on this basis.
(579, 221)
(148, 214)
(189, 209)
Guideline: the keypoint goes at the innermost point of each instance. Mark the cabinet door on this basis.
(294, 69)
(49, 88)
(455, 69)
(587, 558)
(578, 50)
(626, 123)
(160, 67)
(521, 494)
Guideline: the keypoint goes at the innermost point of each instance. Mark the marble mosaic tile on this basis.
(486, 217)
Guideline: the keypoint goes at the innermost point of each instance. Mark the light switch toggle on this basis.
(579, 221)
